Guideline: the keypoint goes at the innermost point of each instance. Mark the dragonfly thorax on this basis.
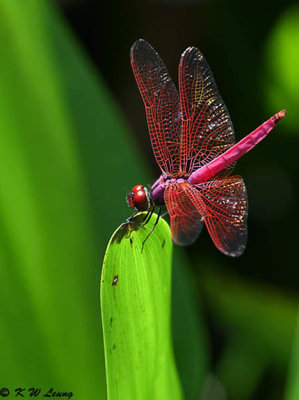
(158, 188)
(139, 198)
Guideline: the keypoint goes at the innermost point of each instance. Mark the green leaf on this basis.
(292, 391)
(49, 313)
(136, 314)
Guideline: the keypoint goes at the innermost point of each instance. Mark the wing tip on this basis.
(142, 49)
(191, 50)
(184, 241)
(232, 253)
(139, 43)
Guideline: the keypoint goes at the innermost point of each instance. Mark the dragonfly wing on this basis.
(185, 221)
(223, 205)
(207, 129)
(161, 101)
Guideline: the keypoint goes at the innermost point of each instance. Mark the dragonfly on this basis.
(192, 139)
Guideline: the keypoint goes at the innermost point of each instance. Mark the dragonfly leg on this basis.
(154, 226)
(128, 221)
(165, 213)
(145, 220)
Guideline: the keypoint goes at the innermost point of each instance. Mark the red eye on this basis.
(138, 198)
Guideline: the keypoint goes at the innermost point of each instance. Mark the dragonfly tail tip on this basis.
(277, 117)
(282, 113)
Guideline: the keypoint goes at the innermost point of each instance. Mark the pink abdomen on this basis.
(235, 152)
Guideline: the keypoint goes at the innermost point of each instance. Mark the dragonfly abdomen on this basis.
(231, 155)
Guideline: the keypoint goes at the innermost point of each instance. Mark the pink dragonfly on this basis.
(193, 142)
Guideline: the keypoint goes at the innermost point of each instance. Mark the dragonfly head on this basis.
(139, 198)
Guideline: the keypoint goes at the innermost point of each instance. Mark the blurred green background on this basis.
(73, 141)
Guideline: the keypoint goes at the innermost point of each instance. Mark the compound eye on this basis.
(137, 188)
(138, 198)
